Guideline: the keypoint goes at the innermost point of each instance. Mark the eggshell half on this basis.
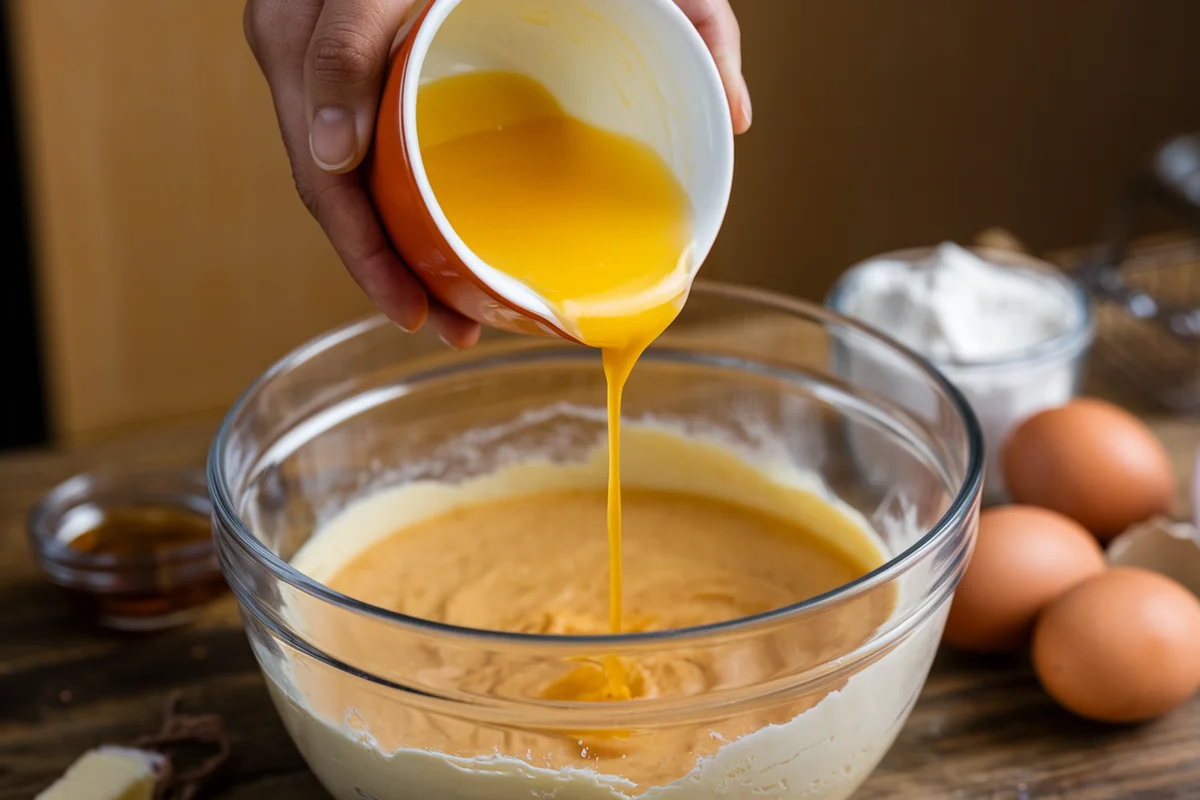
(1163, 546)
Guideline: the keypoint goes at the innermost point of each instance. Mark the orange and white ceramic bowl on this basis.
(636, 67)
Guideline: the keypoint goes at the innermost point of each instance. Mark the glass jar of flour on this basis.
(1009, 331)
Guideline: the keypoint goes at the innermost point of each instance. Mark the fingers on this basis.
(455, 330)
(280, 33)
(343, 73)
(341, 204)
(718, 26)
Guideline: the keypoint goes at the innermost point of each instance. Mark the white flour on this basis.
(990, 328)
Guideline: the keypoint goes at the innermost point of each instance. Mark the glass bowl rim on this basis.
(948, 524)
(1070, 343)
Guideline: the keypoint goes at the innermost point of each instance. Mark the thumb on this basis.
(343, 72)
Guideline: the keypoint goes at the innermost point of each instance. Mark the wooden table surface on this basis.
(982, 728)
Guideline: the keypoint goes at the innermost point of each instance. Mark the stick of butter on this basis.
(109, 773)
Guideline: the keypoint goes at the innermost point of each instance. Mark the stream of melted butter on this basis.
(593, 221)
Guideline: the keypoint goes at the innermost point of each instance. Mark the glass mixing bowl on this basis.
(378, 703)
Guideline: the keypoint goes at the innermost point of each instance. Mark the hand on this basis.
(325, 61)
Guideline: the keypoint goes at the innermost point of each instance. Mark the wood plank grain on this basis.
(984, 729)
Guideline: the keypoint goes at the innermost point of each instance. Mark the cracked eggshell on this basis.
(1161, 545)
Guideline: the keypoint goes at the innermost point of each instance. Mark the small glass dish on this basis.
(133, 548)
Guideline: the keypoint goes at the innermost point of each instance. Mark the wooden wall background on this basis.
(174, 262)
(881, 124)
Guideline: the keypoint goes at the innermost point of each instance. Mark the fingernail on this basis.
(446, 341)
(333, 139)
(406, 326)
(747, 111)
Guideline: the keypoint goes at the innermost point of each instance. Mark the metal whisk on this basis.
(1148, 304)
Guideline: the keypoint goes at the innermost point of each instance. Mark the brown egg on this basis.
(1094, 462)
(1123, 646)
(1024, 558)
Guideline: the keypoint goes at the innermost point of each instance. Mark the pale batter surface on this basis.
(709, 537)
(538, 564)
